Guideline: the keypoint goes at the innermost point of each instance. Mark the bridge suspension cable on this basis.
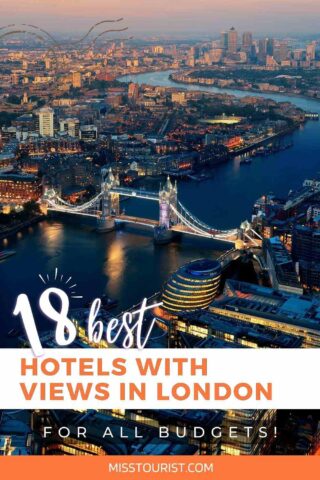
(189, 224)
(190, 215)
(56, 203)
(200, 227)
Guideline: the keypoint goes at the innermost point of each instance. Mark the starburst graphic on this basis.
(59, 278)
(54, 47)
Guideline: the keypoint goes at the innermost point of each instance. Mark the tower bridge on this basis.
(174, 217)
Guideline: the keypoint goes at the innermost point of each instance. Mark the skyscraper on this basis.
(306, 251)
(247, 41)
(270, 47)
(76, 79)
(232, 40)
(224, 40)
(46, 127)
(281, 52)
(262, 54)
(311, 51)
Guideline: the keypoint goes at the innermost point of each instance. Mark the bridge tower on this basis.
(167, 198)
(167, 217)
(110, 201)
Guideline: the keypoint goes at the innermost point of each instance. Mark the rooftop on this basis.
(231, 332)
(264, 302)
(96, 423)
(282, 263)
(202, 267)
(18, 176)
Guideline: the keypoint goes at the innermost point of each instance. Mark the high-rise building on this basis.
(76, 80)
(232, 40)
(270, 47)
(311, 51)
(133, 91)
(46, 125)
(281, 268)
(298, 53)
(306, 243)
(281, 51)
(306, 251)
(70, 126)
(262, 53)
(224, 40)
(247, 41)
(195, 52)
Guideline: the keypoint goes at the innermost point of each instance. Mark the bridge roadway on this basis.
(230, 256)
(147, 222)
(175, 228)
(215, 234)
(137, 220)
(186, 222)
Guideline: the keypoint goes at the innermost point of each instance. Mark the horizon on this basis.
(164, 18)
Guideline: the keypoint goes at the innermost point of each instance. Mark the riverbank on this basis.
(232, 90)
(270, 138)
(232, 190)
(256, 91)
(13, 229)
(288, 130)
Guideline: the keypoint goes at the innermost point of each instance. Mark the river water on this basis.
(126, 264)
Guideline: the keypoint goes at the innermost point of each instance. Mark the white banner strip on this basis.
(160, 379)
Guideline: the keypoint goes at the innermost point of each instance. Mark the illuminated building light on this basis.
(193, 286)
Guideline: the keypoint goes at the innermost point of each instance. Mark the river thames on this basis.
(126, 264)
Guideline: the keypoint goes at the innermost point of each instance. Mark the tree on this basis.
(31, 208)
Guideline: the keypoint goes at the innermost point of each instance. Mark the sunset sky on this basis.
(168, 16)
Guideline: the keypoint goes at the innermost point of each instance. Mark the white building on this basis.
(46, 127)
(71, 126)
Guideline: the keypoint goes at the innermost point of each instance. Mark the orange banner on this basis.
(159, 468)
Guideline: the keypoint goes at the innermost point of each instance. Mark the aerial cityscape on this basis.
(148, 163)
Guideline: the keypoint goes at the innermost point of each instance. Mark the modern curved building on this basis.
(193, 286)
